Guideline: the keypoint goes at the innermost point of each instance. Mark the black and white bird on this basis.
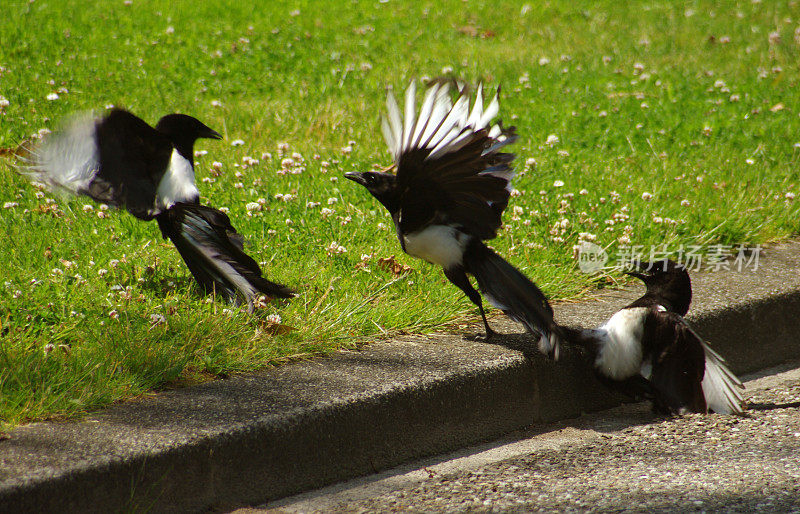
(120, 160)
(647, 349)
(452, 185)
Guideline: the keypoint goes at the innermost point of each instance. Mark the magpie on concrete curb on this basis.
(452, 185)
(648, 350)
(120, 160)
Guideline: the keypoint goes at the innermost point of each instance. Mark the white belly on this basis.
(620, 353)
(177, 184)
(437, 244)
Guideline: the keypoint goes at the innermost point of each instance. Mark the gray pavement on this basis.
(623, 459)
(260, 437)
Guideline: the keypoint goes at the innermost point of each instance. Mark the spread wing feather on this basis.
(450, 163)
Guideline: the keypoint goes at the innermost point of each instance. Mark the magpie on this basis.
(648, 350)
(451, 186)
(120, 160)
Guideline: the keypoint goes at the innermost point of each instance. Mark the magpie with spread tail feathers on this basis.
(647, 349)
(448, 195)
(120, 160)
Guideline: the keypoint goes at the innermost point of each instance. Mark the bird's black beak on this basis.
(211, 134)
(638, 275)
(356, 177)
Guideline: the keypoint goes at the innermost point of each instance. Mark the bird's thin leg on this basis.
(459, 279)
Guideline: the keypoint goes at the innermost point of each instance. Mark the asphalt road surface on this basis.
(621, 459)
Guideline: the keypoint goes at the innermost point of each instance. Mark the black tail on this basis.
(509, 290)
(214, 253)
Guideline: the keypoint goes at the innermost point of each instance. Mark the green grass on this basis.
(683, 100)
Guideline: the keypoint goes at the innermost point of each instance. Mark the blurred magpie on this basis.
(647, 349)
(448, 196)
(120, 160)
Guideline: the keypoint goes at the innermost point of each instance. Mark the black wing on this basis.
(133, 159)
(450, 168)
(118, 159)
(678, 362)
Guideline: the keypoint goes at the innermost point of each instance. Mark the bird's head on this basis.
(184, 130)
(668, 281)
(381, 185)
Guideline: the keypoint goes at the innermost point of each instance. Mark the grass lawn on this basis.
(642, 123)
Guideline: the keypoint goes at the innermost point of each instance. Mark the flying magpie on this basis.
(448, 195)
(120, 160)
(648, 350)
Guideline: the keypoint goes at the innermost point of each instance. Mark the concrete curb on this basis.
(256, 438)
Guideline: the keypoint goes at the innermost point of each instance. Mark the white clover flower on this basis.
(157, 319)
(283, 147)
(789, 196)
(312, 205)
(170, 30)
(551, 140)
(325, 212)
(544, 61)
(750, 161)
(224, 210)
(558, 183)
(382, 226)
(335, 248)
(332, 200)
(725, 40)
(288, 221)
(624, 240)
(519, 211)
(113, 314)
(275, 319)
(253, 207)
(200, 153)
(516, 193)
(238, 185)
(216, 165)
(646, 196)
(583, 192)
(237, 142)
(4, 102)
(658, 220)
(734, 98)
(10, 205)
(685, 203)
(17, 294)
(563, 153)
(52, 97)
(347, 149)
(531, 162)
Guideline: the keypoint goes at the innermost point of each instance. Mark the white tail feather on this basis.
(721, 388)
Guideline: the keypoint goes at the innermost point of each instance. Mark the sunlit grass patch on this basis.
(641, 124)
